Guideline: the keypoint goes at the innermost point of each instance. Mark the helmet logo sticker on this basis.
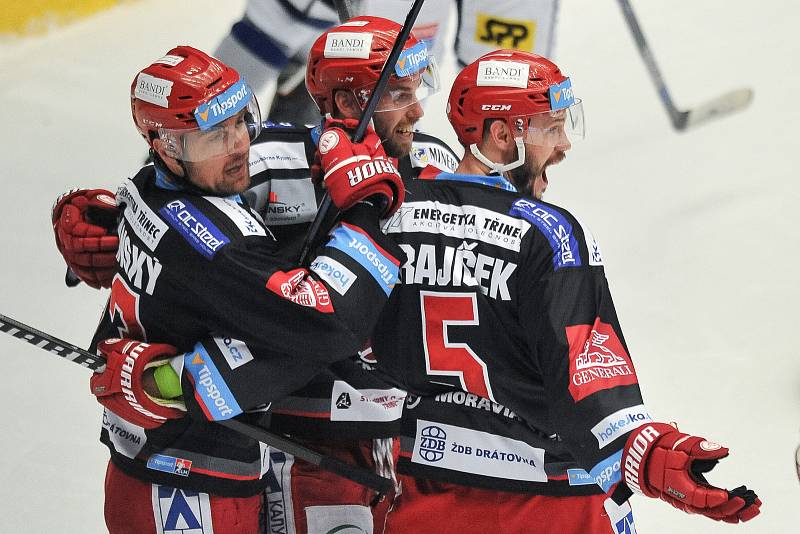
(348, 44)
(153, 90)
(169, 60)
(503, 74)
(222, 106)
(561, 95)
(412, 60)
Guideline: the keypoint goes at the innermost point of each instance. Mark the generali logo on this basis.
(597, 360)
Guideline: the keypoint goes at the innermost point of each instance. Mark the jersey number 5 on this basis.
(446, 358)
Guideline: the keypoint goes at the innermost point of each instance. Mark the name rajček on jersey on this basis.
(462, 265)
(141, 269)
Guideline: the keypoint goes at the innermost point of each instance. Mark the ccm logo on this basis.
(496, 107)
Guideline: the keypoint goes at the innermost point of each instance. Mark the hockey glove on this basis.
(659, 461)
(84, 222)
(120, 387)
(355, 171)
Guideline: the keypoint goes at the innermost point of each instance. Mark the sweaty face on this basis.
(531, 177)
(395, 126)
(225, 171)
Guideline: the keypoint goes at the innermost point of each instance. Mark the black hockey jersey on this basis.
(195, 267)
(504, 330)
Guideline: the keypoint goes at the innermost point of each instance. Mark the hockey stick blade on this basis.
(97, 363)
(716, 108)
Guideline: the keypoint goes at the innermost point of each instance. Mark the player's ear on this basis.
(345, 103)
(168, 152)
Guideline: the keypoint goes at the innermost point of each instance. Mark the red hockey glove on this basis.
(120, 389)
(659, 461)
(84, 222)
(355, 171)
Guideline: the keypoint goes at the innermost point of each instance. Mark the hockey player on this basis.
(195, 261)
(526, 414)
(270, 57)
(345, 408)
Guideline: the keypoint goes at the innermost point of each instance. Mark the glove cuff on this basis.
(635, 455)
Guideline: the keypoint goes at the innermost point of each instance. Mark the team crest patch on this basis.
(597, 360)
(179, 511)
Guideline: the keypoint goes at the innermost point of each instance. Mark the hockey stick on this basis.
(97, 363)
(683, 119)
(366, 117)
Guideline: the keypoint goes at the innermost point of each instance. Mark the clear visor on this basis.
(406, 90)
(208, 141)
(553, 128)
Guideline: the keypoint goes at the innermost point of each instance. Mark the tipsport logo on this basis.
(412, 60)
(561, 95)
(223, 106)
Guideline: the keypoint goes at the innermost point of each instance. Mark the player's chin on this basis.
(236, 178)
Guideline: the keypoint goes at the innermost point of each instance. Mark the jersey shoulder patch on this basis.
(429, 150)
(194, 226)
(556, 226)
(144, 222)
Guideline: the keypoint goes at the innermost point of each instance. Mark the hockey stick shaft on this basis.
(735, 100)
(675, 116)
(366, 117)
(97, 363)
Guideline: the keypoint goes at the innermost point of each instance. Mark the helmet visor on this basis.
(225, 124)
(415, 78)
(554, 128)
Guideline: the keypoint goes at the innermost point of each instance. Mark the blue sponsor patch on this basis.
(356, 244)
(555, 227)
(223, 106)
(195, 227)
(210, 389)
(579, 477)
(491, 180)
(608, 472)
(412, 60)
(561, 95)
(169, 464)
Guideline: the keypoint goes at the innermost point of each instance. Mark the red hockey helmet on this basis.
(351, 56)
(520, 88)
(189, 91)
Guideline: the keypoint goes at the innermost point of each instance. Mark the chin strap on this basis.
(498, 167)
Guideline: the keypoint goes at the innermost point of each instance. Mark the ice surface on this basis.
(699, 232)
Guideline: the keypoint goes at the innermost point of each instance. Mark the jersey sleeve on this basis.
(572, 327)
(283, 323)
